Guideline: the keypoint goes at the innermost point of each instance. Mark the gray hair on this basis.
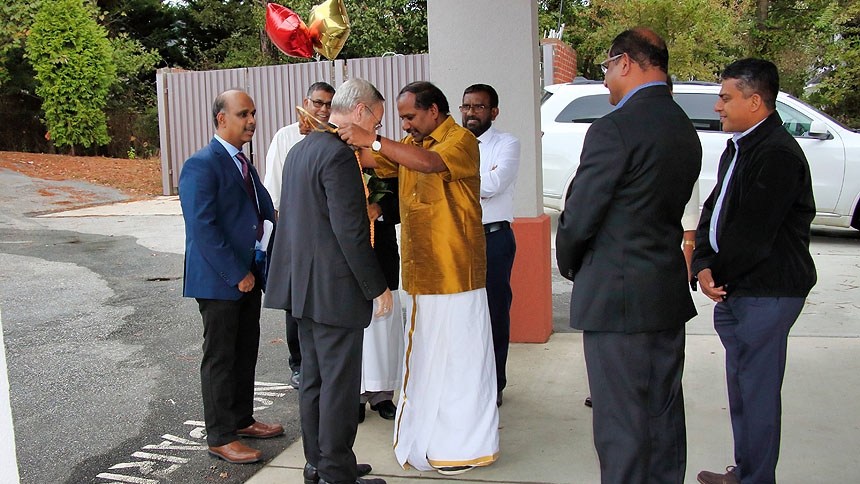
(352, 93)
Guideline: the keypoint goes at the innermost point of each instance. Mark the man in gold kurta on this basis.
(447, 417)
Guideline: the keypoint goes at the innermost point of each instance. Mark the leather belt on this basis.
(496, 226)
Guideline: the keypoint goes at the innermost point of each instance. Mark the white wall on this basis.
(495, 43)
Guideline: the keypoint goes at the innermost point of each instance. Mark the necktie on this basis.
(249, 187)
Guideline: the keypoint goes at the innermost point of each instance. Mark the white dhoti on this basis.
(447, 414)
(382, 352)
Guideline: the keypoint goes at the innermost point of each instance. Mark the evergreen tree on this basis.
(73, 61)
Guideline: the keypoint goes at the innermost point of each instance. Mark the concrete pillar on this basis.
(8, 461)
(496, 43)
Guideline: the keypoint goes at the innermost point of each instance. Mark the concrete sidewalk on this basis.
(545, 430)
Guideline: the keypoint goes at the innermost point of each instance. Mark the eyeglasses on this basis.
(604, 66)
(478, 108)
(378, 121)
(319, 104)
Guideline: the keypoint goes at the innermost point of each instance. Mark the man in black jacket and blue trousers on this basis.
(752, 258)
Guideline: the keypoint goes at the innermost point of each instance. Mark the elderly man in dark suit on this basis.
(619, 240)
(325, 274)
(224, 206)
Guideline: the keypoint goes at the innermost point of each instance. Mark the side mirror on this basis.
(818, 130)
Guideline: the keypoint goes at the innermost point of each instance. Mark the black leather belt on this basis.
(496, 226)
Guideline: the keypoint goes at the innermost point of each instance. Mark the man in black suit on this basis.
(752, 258)
(326, 275)
(618, 241)
(224, 206)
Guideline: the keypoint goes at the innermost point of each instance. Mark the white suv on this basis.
(833, 151)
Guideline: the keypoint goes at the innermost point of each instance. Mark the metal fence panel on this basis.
(185, 101)
(276, 91)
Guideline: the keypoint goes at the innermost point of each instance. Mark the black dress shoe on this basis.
(386, 409)
(587, 402)
(361, 411)
(499, 399)
(312, 477)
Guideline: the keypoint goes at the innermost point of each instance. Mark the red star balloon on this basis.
(288, 31)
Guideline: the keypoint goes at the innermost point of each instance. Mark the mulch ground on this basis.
(138, 178)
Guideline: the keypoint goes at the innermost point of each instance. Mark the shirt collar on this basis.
(487, 135)
(737, 136)
(437, 134)
(231, 150)
(637, 89)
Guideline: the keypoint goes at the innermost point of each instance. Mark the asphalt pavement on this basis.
(103, 355)
(103, 352)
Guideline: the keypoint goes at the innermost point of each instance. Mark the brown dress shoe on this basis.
(707, 477)
(236, 453)
(259, 430)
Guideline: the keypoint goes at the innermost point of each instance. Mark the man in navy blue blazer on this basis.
(224, 205)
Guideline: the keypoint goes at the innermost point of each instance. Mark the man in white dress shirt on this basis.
(318, 103)
(500, 160)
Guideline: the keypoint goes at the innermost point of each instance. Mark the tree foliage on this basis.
(702, 35)
(813, 42)
(837, 66)
(17, 15)
(155, 24)
(72, 58)
(134, 72)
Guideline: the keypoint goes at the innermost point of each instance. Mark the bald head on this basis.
(644, 47)
(234, 115)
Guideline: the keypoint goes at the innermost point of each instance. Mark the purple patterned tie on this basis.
(249, 187)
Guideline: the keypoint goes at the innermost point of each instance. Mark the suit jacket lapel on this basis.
(227, 162)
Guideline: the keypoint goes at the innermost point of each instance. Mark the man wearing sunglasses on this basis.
(318, 103)
(617, 239)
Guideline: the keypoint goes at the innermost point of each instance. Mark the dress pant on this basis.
(501, 249)
(295, 358)
(231, 340)
(754, 332)
(329, 397)
(639, 427)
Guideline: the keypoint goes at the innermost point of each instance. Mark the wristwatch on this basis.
(377, 144)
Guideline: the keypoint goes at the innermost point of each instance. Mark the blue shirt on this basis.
(637, 89)
(232, 151)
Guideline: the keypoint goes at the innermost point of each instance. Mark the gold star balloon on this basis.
(329, 27)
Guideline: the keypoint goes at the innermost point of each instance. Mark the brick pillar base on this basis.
(531, 281)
